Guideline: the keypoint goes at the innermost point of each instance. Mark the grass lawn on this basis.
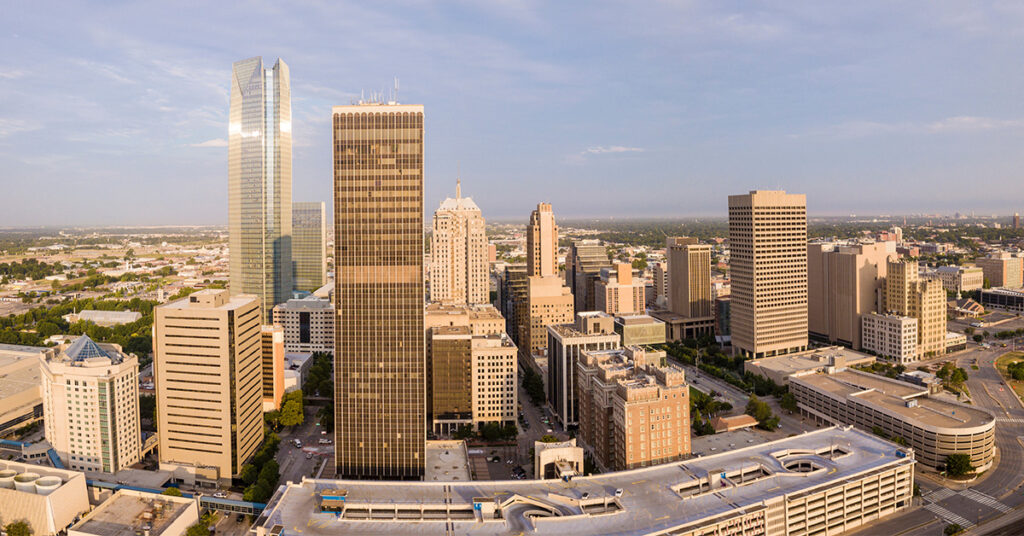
(1002, 362)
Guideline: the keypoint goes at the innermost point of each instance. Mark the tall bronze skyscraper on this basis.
(260, 182)
(380, 398)
(309, 243)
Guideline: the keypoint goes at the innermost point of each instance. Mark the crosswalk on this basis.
(948, 516)
(1014, 420)
(940, 494)
(987, 500)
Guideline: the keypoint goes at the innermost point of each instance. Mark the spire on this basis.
(458, 188)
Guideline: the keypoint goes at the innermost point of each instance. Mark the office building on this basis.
(309, 245)
(1016, 220)
(272, 344)
(934, 428)
(308, 325)
(48, 499)
(260, 182)
(618, 292)
(780, 369)
(639, 330)
(633, 411)
(907, 294)
(542, 242)
(548, 302)
(960, 278)
(844, 282)
(21, 391)
(379, 358)
(91, 405)
(583, 264)
(723, 317)
(659, 276)
(690, 313)
(208, 363)
(513, 287)
(827, 481)
(592, 330)
(458, 249)
(1003, 298)
(132, 513)
(890, 337)
(1002, 269)
(768, 263)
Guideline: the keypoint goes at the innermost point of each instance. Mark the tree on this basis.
(952, 530)
(273, 418)
(763, 413)
(464, 431)
(978, 338)
(249, 474)
(958, 464)
(788, 402)
(548, 438)
(18, 528)
(291, 413)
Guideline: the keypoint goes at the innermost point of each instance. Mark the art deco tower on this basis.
(379, 363)
(542, 242)
(458, 272)
(260, 182)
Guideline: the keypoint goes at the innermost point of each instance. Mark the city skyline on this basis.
(694, 98)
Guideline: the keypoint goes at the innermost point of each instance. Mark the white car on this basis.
(220, 495)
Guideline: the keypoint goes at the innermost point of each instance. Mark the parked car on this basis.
(618, 492)
(220, 495)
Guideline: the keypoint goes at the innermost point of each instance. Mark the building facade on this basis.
(91, 405)
(592, 330)
(1003, 298)
(618, 292)
(272, 369)
(379, 358)
(1002, 269)
(907, 294)
(768, 263)
(309, 245)
(961, 278)
(208, 364)
(260, 182)
(21, 395)
(308, 325)
(458, 253)
(583, 264)
(890, 337)
(689, 277)
(542, 242)
(548, 302)
(844, 282)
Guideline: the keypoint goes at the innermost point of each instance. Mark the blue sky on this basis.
(116, 112)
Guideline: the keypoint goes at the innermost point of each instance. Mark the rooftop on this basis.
(84, 348)
(813, 360)
(654, 499)
(129, 513)
(308, 303)
(447, 461)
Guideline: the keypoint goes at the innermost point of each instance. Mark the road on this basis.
(293, 461)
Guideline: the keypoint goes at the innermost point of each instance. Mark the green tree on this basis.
(958, 464)
(788, 402)
(548, 438)
(952, 530)
(249, 474)
(173, 492)
(291, 413)
(978, 338)
(18, 528)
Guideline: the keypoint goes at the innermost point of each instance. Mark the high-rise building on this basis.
(659, 272)
(690, 311)
(512, 298)
(542, 242)
(309, 245)
(458, 249)
(844, 282)
(618, 292)
(548, 302)
(272, 337)
(633, 412)
(208, 363)
(583, 264)
(592, 330)
(91, 405)
(890, 337)
(1002, 269)
(907, 294)
(260, 182)
(768, 248)
(308, 325)
(1016, 220)
(379, 358)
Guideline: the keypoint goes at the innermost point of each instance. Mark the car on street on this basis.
(220, 495)
(309, 455)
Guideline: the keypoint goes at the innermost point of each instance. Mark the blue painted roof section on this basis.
(54, 459)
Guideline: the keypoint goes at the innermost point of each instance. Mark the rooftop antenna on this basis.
(458, 179)
(396, 90)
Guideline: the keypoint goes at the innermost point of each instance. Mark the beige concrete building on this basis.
(308, 325)
(906, 294)
(768, 264)
(583, 264)
(309, 245)
(961, 278)
(458, 249)
(690, 312)
(617, 292)
(549, 302)
(592, 330)
(633, 412)
(660, 279)
(890, 337)
(640, 330)
(1002, 269)
(272, 344)
(781, 368)
(380, 354)
(21, 386)
(48, 499)
(91, 405)
(542, 242)
(208, 363)
(131, 513)
(934, 428)
(562, 460)
(844, 282)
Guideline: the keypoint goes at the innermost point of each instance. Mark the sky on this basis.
(115, 113)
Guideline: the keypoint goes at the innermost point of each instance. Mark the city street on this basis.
(294, 461)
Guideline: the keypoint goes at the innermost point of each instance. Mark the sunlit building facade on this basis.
(309, 245)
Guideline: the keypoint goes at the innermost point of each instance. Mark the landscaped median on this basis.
(1005, 365)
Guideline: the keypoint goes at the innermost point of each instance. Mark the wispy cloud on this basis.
(11, 126)
(216, 142)
(612, 149)
(12, 74)
(968, 123)
(950, 125)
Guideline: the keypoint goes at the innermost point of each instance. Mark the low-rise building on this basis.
(891, 337)
(21, 398)
(618, 292)
(826, 481)
(780, 368)
(308, 324)
(934, 428)
(955, 341)
(640, 330)
(961, 278)
(964, 308)
(632, 412)
(593, 330)
(1003, 298)
(48, 499)
(733, 423)
(562, 460)
(103, 318)
(130, 513)
(1002, 269)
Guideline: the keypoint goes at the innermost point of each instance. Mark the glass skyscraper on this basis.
(260, 182)
(309, 261)
(380, 397)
